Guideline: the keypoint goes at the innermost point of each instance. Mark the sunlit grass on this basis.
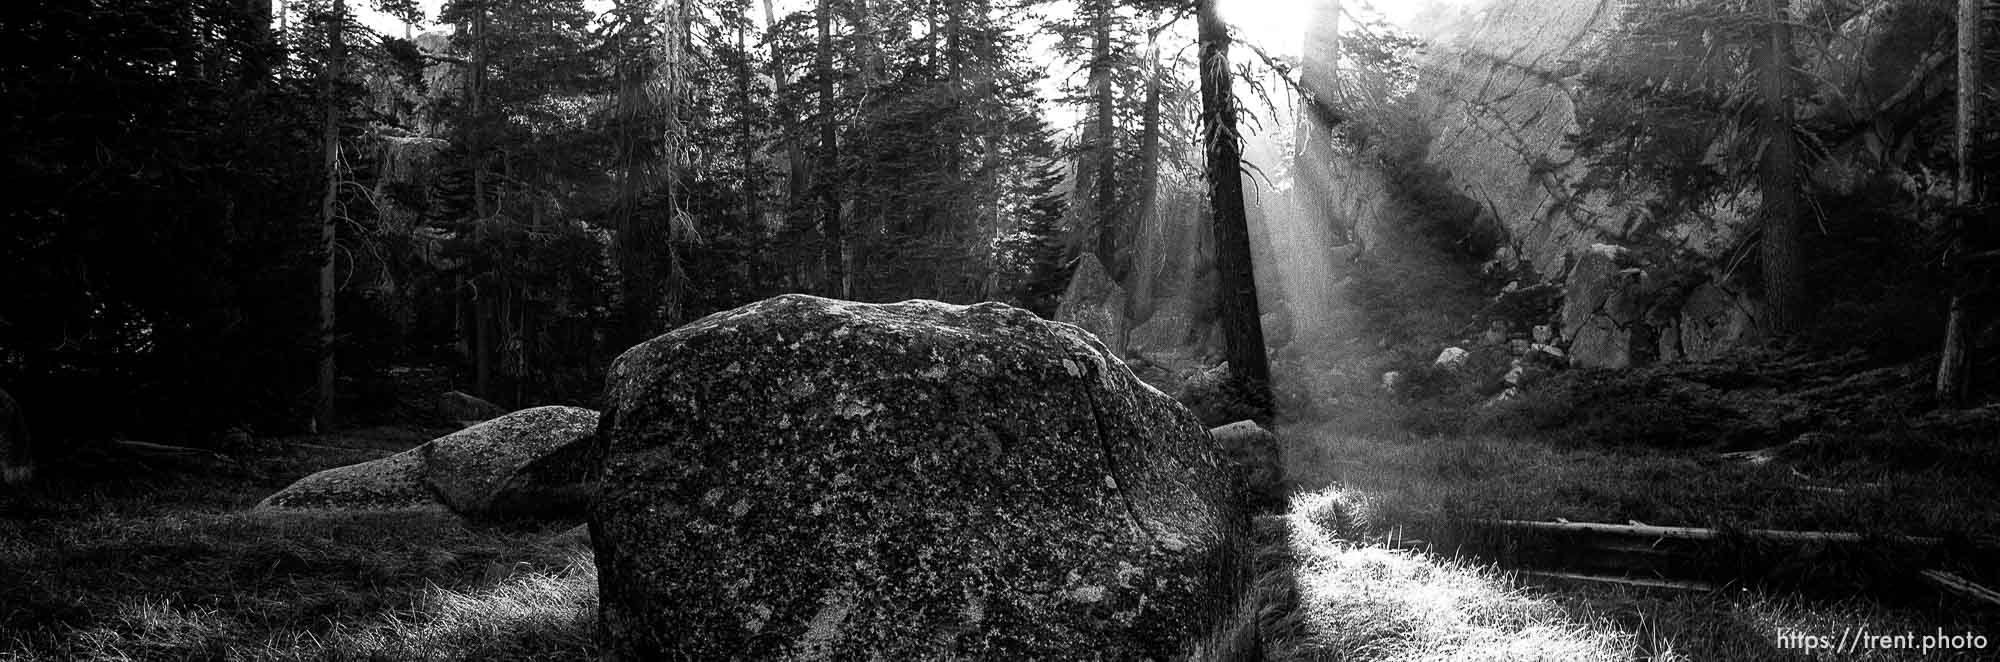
(533, 615)
(1369, 492)
(1362, 601)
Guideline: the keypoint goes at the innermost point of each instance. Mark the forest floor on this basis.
(166, 563)
(1410, 556)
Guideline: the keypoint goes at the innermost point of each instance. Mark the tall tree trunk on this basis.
(336, 53)
(257, 50)
(1242, 329)
(954, 138)
(1146, 223)
(1782, 245)
(747, 150)
(676, 40)
(1112, 251)
(638, 298)
(796, 169)
(1956, 360)
(985, 55)
(482, 344)
(835, 249)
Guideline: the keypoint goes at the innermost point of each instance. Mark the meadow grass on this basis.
(170, 565)
(1376, 491)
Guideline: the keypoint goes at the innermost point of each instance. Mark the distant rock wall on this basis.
(1497, 92)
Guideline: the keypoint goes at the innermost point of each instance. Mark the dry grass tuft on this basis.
(1362, 602)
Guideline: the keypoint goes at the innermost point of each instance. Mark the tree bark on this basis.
(1110, 239)
(336, 52)
(1783, 242)
(1146, 222)
(796, 171)
(835, 249)
(482, 354)
(257, 50)
(747, 151)
(1955, 361)
(634, 242)
(1242, 330)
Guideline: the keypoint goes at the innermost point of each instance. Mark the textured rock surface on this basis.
(1253, 453)
(803, 478)
(393, 482)
(534, 463)
(1602, 308)
(1096, 303)
(1498, 90)
(527, 460)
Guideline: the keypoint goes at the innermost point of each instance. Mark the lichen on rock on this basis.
(954, 480)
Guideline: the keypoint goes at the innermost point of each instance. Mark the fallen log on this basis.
(1689, 533)
(1624, 581)
(165, 450)
(1961, 586)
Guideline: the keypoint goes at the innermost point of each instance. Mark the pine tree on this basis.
(1243, 335)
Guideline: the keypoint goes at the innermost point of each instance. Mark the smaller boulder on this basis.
(1253, 454)
(391, 483)
(467, 409)
(1215, 398)
(1452, 358)
(530, 463)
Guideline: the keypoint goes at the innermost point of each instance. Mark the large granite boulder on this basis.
(804, 478)
(16, 463)
(534, 463)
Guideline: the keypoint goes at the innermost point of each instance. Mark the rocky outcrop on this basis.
(1603, 311)
(1498, 94)
(534, 463)
(391, 483)
(530, 461)
(1253, 453)
(804, 478)
(1096, 303)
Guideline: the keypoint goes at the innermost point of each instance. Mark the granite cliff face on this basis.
(1497, 100)
(1499, 95)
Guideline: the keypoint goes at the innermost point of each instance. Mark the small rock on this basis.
(1452, 358)
(1390, 379)
(1253, 452)
(1543, 334)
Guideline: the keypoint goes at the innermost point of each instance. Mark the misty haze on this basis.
(1138, 330)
